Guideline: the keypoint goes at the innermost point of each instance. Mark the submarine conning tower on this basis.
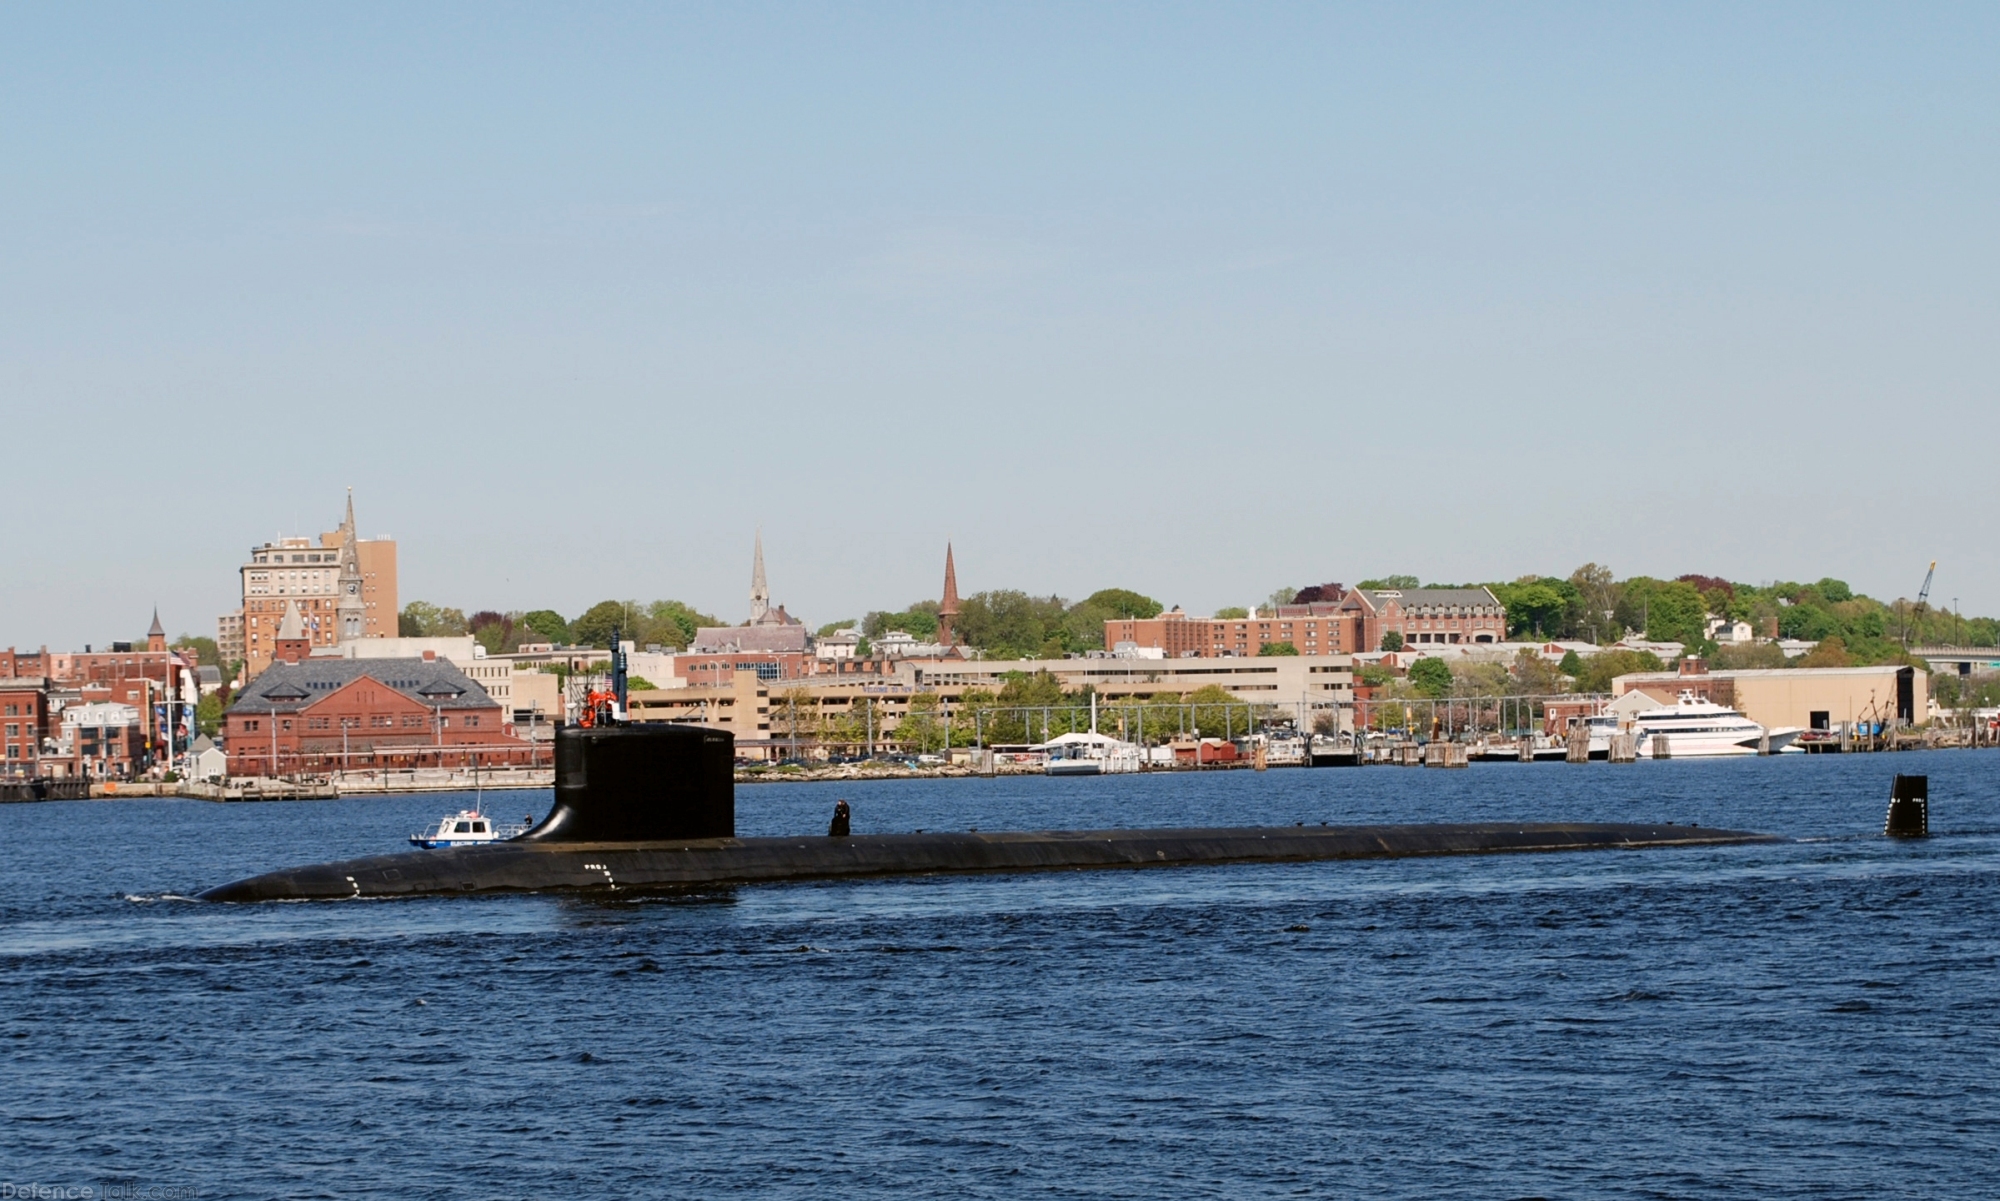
(641, 783)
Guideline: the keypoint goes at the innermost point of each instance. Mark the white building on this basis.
(840, 644)
(1725, 632)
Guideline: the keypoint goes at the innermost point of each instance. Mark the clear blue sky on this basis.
(1197, 300)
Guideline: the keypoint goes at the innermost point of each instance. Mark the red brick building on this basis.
(324, 715)
(1319, 628)
(1426, 616)
(122, 675)
(24, 723)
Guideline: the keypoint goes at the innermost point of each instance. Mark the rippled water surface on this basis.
(1813, 1018)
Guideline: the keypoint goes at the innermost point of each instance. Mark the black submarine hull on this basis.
(654, 807)
(521, 866)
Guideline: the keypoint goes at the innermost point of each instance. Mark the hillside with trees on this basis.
(1590, 604)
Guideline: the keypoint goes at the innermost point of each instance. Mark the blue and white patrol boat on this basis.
(467, 827)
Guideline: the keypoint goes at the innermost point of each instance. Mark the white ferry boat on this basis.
(1088, 755)
(1692, 728)
(467, 827)
(1602, 726)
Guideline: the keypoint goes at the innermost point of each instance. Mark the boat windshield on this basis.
(462, 828)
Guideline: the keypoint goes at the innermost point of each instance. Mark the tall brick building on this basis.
(344, 587)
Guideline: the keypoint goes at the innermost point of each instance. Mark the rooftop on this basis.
(289, 687)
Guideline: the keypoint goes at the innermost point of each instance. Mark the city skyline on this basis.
(1466, 293)
(743, 608)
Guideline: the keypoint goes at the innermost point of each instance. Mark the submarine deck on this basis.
(529, 866)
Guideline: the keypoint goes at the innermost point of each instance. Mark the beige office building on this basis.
(769, 718)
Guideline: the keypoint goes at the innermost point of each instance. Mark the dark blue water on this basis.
(1818, 1018)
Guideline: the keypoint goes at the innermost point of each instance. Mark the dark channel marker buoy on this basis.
(1909, 808)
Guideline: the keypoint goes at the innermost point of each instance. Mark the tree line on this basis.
(1592, 605)
(667, 624)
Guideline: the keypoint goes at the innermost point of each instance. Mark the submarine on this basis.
(652, 807)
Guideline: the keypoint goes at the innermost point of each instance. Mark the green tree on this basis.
(1390, 581)
(595, 626)
(1597, 597)
(1431, 677)
(1008, 624)
(852, 727)
(416, 619)
(920, 621)
(1033, 689)
(834, 627)
(1600, 669)
(421, 619)
(972, 721)
(672, 623)
(797, 719)
(1571, 665)
(1392, 640)
(923, 727)
(208, 714)
(1763, 655)
(1121, 603)
(1831, 652)
(493, 631)
(1083, 625)
(1231, 613)
(1536, 605)
(1531, 675)
(1673, 611)
(548, 624)
(1281, 596)
(1277, 648)
(205, 652)
(1807, 621)
(1217, 714)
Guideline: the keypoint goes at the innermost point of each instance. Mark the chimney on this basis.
(430, 656)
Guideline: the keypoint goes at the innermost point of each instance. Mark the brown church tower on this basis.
(949, 608)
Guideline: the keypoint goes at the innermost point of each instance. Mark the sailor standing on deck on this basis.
(837, 828)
